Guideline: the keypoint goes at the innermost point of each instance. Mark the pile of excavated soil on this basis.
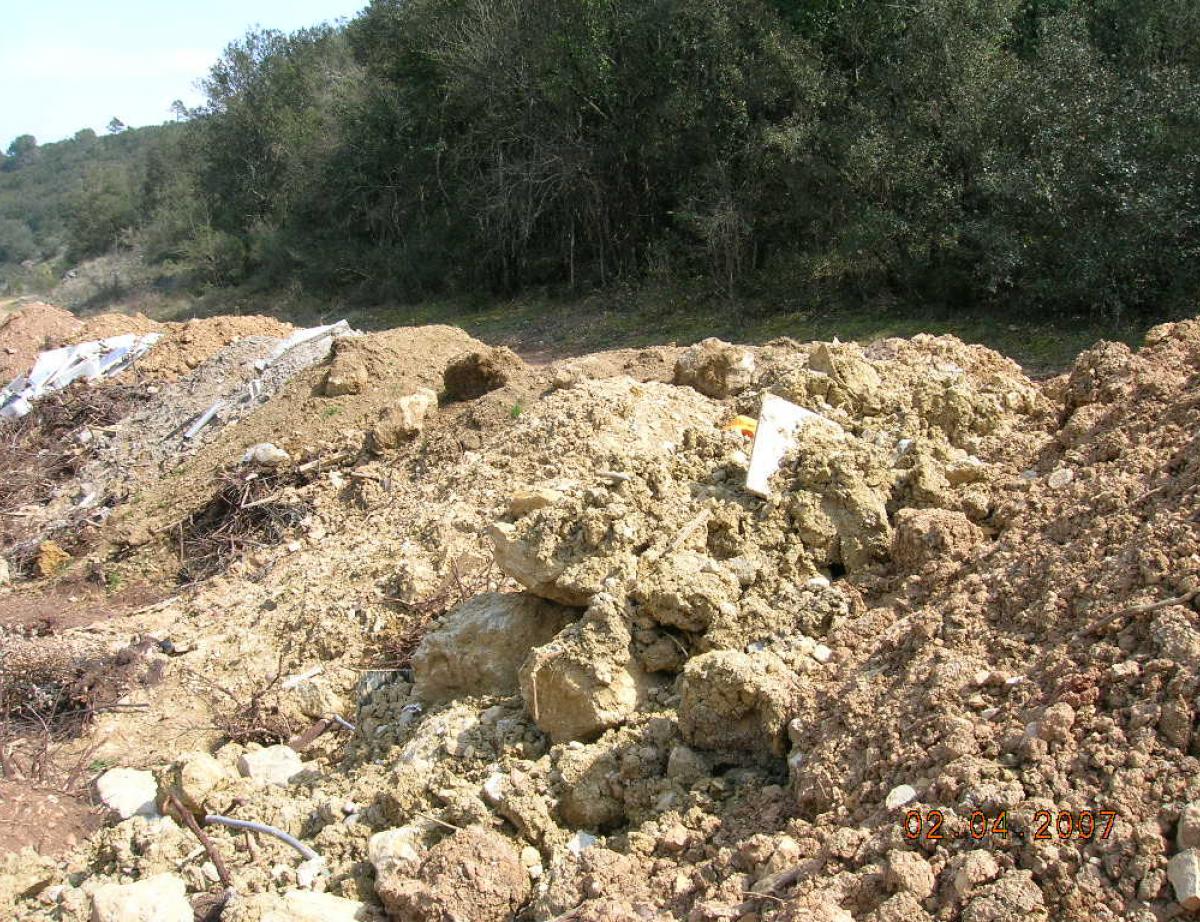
(102, 326)
(186, 346)
(946, 671)
(27, 331)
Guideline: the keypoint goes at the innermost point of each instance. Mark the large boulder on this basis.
(474, 874)
(162, 898)
(736, 701)
(585, 680)
(715, 368)
(479, 646)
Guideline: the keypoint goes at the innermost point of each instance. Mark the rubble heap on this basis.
(945, 669)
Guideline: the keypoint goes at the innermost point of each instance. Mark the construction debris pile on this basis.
(792, 632)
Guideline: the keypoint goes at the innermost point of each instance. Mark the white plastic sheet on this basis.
(302, 336)
(54, 369)
(778, 424)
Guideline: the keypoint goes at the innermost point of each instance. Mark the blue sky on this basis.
(72, 64)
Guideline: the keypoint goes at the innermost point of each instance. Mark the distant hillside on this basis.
(70, 199)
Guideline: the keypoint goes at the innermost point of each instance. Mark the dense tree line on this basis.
(1038, 155)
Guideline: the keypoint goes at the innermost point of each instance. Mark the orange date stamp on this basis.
(1063, 825)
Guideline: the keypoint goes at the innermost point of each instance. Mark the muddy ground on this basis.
(945, 671)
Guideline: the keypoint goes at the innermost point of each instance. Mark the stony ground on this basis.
(946, 671)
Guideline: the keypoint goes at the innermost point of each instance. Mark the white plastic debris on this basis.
(778, 423)
(194, 429)
(302, 336)
(54, 369)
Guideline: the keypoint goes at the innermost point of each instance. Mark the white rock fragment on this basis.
(162, 898)
(298, 906)
(1184, 874)
(581, 842)
(309, 871)
(395, 847)
(899, 796)
(128, 792)
(273, 765)
(1061, 478)
(1187, 833)
(265, 454)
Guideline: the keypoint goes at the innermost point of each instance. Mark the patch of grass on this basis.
(553, 327)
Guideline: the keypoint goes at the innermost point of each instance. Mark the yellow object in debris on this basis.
(746, 425)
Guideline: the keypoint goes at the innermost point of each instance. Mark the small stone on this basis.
(1187, 833)
(479, 646)
(978, 867)
(404, 421)
(308, 872)
(675, 839)
(316, 699)
(1184, 874)
(475, 874)
(265, 454)
(273, 765)
(347, 375)
(899, 796)
(1061, 478)
(908, 871)
(128, 792)
(50, 559)
(195, 778)
(524, 502)
(1056, 723)
(5, 573)
(686, 765)
(581, 842)
(530, 856)
(295, 906)
(394, 848)
(477, 373)
(162, 898)
(715, 368)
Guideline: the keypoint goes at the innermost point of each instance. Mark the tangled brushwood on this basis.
(249, 510)
(41, 450)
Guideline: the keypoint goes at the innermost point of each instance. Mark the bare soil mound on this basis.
(522, 645)
(27, 331)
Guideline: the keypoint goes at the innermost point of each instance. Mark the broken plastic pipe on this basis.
(194, 429)
(343, 722)
(279, 834)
